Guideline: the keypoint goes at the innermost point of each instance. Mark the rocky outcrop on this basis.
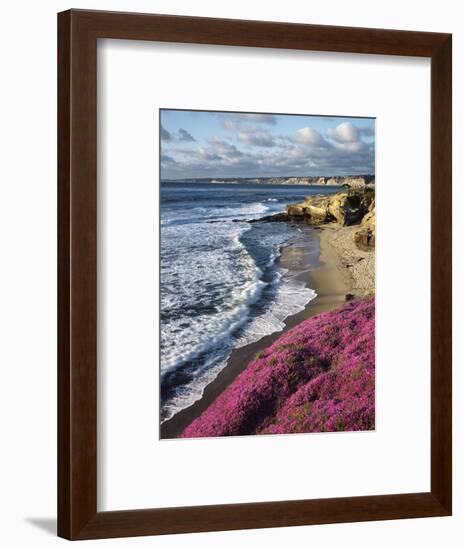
(313, 211)
(365, 237)
(354, 182)
(280, 217)
(348, 181)
(353, 207)
(346, 208)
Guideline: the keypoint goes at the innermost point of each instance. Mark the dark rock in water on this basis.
(280, 217)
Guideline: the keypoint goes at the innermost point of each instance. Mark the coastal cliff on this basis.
(353, 181)
(317, 377)
(346, 208)
(353, 207)
(350, 208)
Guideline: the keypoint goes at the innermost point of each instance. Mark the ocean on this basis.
(221, 284)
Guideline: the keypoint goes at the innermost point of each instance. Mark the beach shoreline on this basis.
(344, 270)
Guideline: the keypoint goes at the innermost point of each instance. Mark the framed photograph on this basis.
(254, 274)
(285, 248)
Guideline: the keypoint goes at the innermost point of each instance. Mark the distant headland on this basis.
(351, 181)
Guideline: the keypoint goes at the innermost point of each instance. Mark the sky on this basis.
(209, 144)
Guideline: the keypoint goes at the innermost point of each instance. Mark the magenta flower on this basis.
(317, 377)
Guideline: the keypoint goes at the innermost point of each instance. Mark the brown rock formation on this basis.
(353, 207)
(346, 208)
(365, 237)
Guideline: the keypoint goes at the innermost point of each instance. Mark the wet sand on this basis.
(332, 280)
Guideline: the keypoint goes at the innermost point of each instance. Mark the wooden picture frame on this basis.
(78, 32)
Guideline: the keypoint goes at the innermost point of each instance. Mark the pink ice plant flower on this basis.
(317, 377)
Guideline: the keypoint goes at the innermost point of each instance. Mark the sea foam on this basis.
(221, 288)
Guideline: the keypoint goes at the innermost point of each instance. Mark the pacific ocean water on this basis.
(221, 285)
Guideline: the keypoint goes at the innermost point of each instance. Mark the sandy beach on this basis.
(355, 266)
(342, 270)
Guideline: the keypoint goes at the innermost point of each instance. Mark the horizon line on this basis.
(371, 174)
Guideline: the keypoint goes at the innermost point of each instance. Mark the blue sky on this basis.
(196, 144)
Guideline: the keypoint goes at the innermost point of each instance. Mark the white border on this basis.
(135, 469)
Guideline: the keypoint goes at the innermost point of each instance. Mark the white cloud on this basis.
(258, 118)
(235, 121)
(310, 136)
(251, 136)
(225, 148)
(351, 146)
(346, 132)
(230, 124)
(255, 149)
